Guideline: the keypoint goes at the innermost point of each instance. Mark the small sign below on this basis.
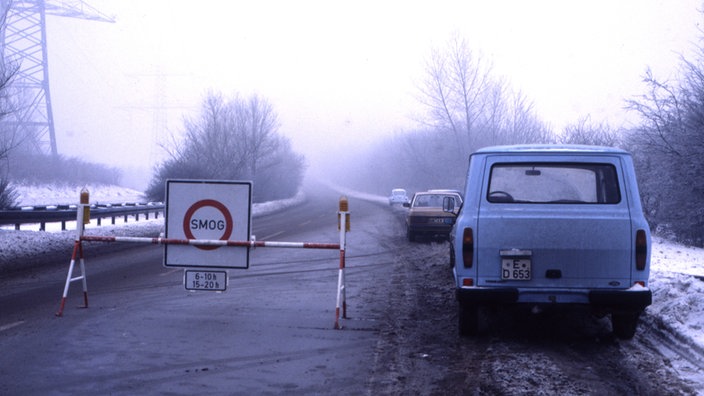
(205, 280)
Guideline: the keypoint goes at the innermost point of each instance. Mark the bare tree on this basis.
(585, 132)
(456, 92)
(214, 140)
(233, 139)
(259, 131)
(8, 71)
(8, 134)
(669, 148)
(516, 121)
(465, 100)
(466, 107)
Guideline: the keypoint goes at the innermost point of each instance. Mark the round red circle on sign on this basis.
(201, 204)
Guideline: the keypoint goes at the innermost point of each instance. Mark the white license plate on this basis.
(515, 268)
(205, 280)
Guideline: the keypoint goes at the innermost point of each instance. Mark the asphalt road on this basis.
(271, 332)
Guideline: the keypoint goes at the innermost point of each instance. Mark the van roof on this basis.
(551, 148)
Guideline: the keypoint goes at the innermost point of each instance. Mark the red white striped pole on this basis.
(210, 242)
(344, 226)
(81, 215)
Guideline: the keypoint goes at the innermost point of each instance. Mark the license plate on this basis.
(205, 280)
(437, 220)
(515, 268)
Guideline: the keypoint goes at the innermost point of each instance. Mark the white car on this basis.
(398, 197)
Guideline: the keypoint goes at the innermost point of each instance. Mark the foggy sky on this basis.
(341, 74)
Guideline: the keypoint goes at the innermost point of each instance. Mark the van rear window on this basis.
(554, 183)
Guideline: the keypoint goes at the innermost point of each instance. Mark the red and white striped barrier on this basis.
(77, 256)
(210, 242)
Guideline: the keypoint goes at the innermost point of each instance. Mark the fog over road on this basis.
(272, 331)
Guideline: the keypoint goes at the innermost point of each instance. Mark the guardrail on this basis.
(65, 213)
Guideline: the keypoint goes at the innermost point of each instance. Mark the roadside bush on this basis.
(8, 195)
(233, 139)
(45, 169)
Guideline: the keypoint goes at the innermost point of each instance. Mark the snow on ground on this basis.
(17, 243)
(676, 278)
(677, 282)
(67, 195)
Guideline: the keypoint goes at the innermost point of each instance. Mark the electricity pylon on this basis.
(25, 43)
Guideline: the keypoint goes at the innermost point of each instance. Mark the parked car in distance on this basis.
(398, 197)
(458, 192)
(427, 217)
(556, 226)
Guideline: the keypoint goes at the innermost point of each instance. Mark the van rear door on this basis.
(554, 223)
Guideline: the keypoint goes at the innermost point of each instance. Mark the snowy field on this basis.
(17, 243)
(676, 278)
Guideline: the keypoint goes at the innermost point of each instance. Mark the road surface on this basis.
(272, 331)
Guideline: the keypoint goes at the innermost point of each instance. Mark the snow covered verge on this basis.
(16, 247)
(30, 195)
(677, 271)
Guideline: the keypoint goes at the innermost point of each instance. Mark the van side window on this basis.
(553, 183)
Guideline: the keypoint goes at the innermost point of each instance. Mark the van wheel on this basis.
(624, 324)
(468, 320)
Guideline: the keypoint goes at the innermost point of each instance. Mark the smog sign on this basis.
(207, 210)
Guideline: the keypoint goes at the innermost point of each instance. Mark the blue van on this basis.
(551, 225)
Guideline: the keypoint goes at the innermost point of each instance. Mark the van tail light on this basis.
(641, 250)
(467, 247)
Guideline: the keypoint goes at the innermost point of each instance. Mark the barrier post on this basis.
(85, 203)
(343, 217)
(77, 256)
(81, 212)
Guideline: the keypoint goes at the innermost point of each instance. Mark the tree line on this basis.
(467, 107)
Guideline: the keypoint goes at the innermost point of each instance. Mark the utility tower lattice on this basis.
(25, 43)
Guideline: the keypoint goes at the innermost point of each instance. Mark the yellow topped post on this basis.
(85, 202)
(344, 209)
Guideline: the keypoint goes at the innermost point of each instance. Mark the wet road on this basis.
(272, 331)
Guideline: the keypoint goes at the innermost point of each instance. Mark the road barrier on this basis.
(63, 214)
(77, 255)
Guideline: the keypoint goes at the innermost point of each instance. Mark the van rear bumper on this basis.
(613, 300)
(635, 300)
(482, 295)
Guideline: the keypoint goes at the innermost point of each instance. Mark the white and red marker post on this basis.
(343, 224)
(82, 218)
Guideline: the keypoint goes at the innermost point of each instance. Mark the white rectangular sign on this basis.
(205, 280)
(210, 210)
